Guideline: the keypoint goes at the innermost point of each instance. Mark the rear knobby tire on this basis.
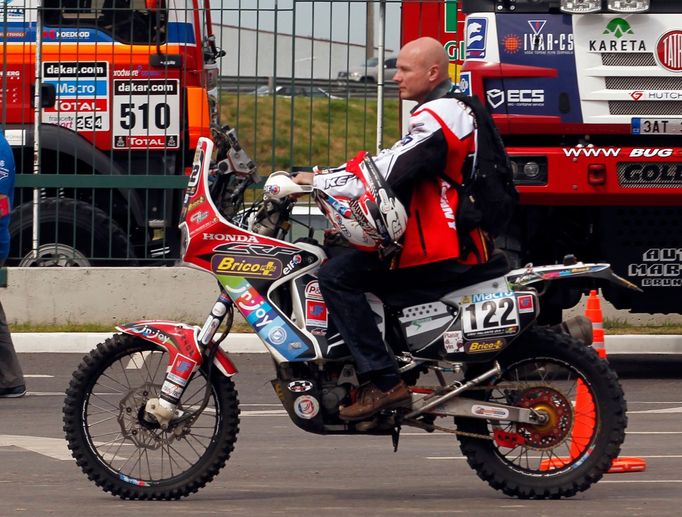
(107, 369)
(499, 468)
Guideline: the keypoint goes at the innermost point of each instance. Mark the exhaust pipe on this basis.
(579, 328)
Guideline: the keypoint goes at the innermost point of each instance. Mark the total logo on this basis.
(497, 97)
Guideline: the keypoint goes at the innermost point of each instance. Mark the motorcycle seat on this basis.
(451, 277)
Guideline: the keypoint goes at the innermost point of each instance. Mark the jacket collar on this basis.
(439, 91)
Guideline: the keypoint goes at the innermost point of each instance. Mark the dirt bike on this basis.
(152, 412)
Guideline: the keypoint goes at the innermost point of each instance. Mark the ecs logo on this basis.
(497, 97)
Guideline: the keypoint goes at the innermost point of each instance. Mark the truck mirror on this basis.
(48, 95)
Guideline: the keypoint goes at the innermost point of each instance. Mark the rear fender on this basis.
(533, 274)
(177, 339)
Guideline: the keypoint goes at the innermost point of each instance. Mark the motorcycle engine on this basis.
(332, 395)
(272, 219)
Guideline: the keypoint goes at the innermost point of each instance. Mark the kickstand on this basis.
(395, 437)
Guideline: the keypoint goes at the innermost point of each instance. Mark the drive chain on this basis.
(434, 427)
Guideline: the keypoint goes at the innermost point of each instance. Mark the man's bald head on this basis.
(422, 65)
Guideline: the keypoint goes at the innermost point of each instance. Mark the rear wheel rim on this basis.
(55, 255)
(570, 429)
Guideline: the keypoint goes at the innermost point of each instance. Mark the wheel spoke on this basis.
(107, 398)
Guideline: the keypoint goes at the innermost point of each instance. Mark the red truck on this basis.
(587, 96)
(127, 88)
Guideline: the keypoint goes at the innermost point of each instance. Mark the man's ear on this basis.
(434, 73)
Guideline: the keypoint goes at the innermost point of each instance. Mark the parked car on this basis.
(289, 91)
(304, 217)
(368, 72)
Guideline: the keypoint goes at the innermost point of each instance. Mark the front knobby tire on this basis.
(547, 371)
(123, 453)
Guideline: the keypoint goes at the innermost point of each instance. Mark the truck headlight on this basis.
(580, 6)
(629, 6)
(529, 170)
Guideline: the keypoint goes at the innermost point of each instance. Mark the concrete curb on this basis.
(83, 342)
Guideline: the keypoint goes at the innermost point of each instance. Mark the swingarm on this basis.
(444, 402)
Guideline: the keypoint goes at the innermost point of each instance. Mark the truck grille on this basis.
(644, 83)
(632, 59)
(646, 108)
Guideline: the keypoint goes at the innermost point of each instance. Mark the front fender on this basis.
(177, 338)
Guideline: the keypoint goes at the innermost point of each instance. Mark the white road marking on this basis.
(657, 411)
(37, 376)
(132, 362)
(642, 481)
(653, 432)
(51, 447)
(656, 457)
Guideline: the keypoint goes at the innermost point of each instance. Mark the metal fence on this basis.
(126, 87)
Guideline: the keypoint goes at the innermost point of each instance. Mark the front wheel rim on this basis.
(135, 451)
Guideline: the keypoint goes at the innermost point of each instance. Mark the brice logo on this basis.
(248, 267)
(486, 346)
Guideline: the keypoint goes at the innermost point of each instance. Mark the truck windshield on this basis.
(126, 21)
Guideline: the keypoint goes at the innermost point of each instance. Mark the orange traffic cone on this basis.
(584, 411)
(594, 313)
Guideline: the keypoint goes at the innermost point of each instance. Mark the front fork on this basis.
(179, 372)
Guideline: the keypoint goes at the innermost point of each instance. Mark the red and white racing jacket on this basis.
(421, 169)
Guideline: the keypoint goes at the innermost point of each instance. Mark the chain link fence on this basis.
(125, 88)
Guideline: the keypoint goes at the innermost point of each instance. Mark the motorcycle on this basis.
(153, 413)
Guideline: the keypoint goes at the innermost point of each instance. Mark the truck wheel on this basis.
(72, 234)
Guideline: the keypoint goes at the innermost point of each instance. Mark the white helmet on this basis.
(375, 220)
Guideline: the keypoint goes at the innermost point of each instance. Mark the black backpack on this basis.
(487, 197)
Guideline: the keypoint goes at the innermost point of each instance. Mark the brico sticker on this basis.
(146, 114)
(486, 346)
(247, 267)
(82, 95)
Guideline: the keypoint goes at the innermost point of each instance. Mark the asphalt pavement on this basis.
(277, 469)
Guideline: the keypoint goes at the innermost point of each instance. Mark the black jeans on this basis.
(345, 278)
(11, 375)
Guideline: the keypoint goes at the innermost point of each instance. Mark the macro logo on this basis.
(618, 28)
